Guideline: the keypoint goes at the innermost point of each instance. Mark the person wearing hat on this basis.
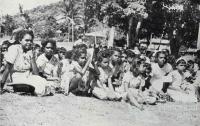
(179, 89)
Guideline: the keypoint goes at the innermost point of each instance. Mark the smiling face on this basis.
(27, 42)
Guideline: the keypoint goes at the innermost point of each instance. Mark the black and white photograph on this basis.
(99, 62)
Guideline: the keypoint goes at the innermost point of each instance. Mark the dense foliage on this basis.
(135, 18)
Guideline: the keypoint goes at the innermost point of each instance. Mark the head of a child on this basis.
(130, 56)
(61, 53)
(37, 49)
(139, 67)
(80, 56)
(5, 45)
(103, 59)
(68, 55)
(148, 69)
(190, 65)
(160, 58)
(115, 56)
(82, 46)
(181, 65)
(166, 52)
(124, 56)
(152, 57)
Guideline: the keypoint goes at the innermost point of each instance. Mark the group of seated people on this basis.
(104, 73)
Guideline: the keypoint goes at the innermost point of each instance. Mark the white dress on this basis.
(159, 75)
(67, 74)
(100, 92)
(177, 81)
(49, 68)
(20, 73)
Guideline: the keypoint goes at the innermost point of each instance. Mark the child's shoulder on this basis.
(198, 73)
(174, 72)
(128, 75)
(75, 63)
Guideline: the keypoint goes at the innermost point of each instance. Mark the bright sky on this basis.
(11, 7)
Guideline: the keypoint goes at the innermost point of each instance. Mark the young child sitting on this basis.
(179, 89)
(129, 61)
(196, 82)
(66, 72)
(79, 80)
(104, 89)
(133, 82)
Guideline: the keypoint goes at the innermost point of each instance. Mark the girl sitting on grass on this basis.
(179, 89)
(66, 72)
(104, 89)
(80, 82)
(134, 82)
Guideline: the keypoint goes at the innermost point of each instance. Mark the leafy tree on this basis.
(9, 24)
(126, 15)
(48, 28)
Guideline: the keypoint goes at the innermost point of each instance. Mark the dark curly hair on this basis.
(134, 68)
(20, 35)
(130, 53)
(69, 54)
(77, 54)
(102, 54)
(114, 50)
(46, 41)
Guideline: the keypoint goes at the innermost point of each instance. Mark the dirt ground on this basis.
(60, 110)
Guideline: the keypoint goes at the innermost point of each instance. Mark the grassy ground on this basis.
(59, 110)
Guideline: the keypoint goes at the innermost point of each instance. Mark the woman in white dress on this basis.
(160, 70)
(21, 64)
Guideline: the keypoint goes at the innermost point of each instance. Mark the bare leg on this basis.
(133, 100)
(74, 84)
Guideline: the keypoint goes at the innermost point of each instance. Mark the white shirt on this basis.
(159, 75)
(47, 67)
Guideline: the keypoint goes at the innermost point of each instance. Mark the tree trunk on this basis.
(138, 27)
(198, 41)
(130, 33)
(133, 31)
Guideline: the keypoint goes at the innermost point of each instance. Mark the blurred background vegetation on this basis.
(177, 20)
